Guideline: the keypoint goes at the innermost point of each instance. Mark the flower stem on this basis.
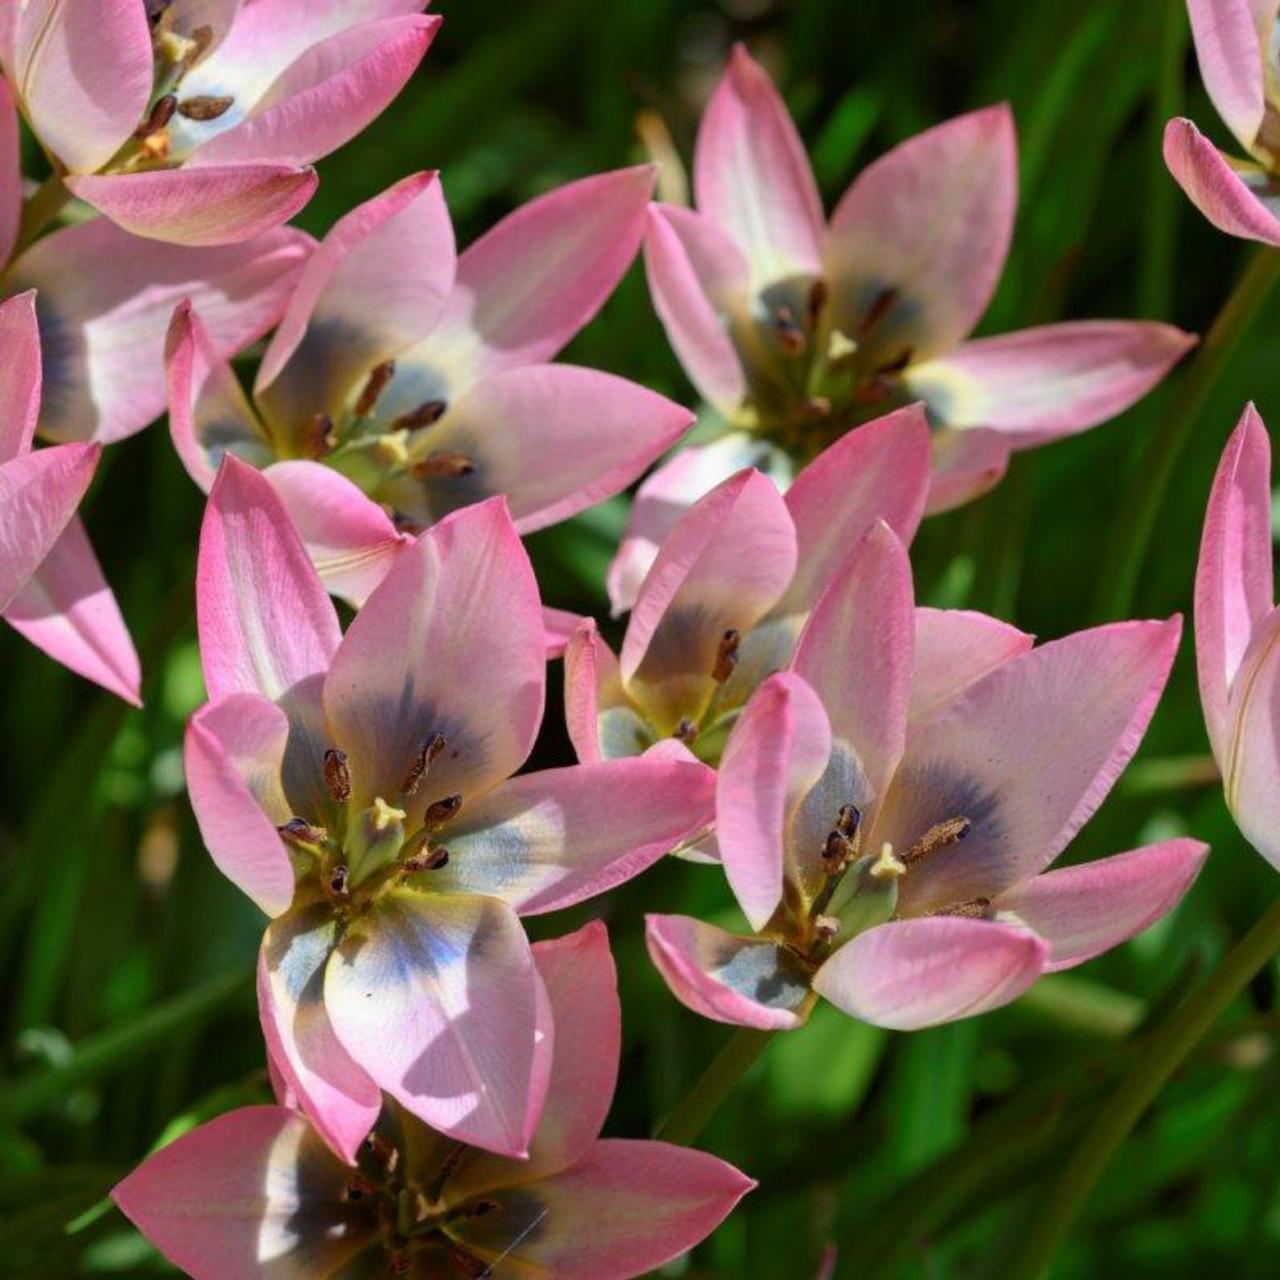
(715, 1084)
(48, 200)
(1160, 458)
(1161, 1057)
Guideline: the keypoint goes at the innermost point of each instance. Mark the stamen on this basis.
(819, 296)
(826, 927)
(842, 841)
(428, 750)
(159, 116)
(357, 1189)
(337, 775)
(399, 1262)
(818, 407)
(970, 909)
(789, 334)
(321, 438)
(445, 464)
(880, 307)
(379, 376)
(299, 833)
(424, 415)
(338, 881)
(442, 811)
(426, 860)
(848, 820)
(686, 731)
(726, 655)
(897, 364)
(383, 1150)
(939, 836)
(204, 107)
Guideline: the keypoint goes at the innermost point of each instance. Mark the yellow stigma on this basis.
(382, 815)
(887, 866)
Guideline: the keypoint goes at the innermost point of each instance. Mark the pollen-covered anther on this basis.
(939, 836)
(300, 834)
(428, 750)
(337, 775)
(686, 731)
(445, 464)
(826, 927)
(338, 881)
(428, 412)
(881, 305)
(818, 407)
(970, 909)
(887, 866)
(358, 1189)
(383, 1151)
(159, 116)
(374, 386)
(819, 296)
(204, 107)
(837, 853)
(321, 438)
(441, 811)
(790, 335)
(426, 860)
(848, 821)
(726, 655)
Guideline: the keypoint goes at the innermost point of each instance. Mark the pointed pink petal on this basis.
(698, 278)
(966, 464)
(910, 974)
(1229, 50)
(450, 642)
(751, 176)
(339, 1097)
(374, 286)
(954, 649)
(39, 493)
(592, 690)
(1084, 910)
(723, 567)
(83, 74)
(1026, 754)
(333, 91)
(748, 982)
(889, 233)
(1051, 381)
(546, 840)
(777, 751)
(233, 758)
(1236, 197)
(67, 610)
(454, 1034)
(10, 172)
(253, 1193)
(19, 374)
(879, 471)
(1234, 580)
(627, 1207)
(559, 626)
(216, 205)
(105, 302)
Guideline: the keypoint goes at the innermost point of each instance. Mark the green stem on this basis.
(1161, 1057)
(715, 1084)
(1160, 458)
(49, 199)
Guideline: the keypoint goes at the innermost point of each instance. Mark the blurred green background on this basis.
(125, 958)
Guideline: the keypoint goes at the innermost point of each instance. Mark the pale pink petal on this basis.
(879, 471)
(105, 303)
(1234, 580)
(1237, 198)
(339, 1097)
(1229, 50)
(39, 493)
(966, 464)
(67, 609)
(592, 690)
(10, 172)
(918, 242)
(1084, 910)
(546, 840)
(910, 974)
(751, 176)
(1026, 755)
(955, 648)
(83, 74)
(698, 279)
(1051, 381)
(627, 1207)
(19, 373)
(266, 623)
(220, 204)
(251, 1195)
(454, 1034)
(559, 625)
(722, 568)
(450, 642)
(748, 982)
(778, 749)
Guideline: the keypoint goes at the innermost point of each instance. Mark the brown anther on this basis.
(201, 38)
(848, 820)
(428, 749)
(971, 909)
(441, 811)
(939, 836)
(426, 860)
(819, 296)
(399, 1263)
(481, 1208)
(445, 464)
(357, 1189)
(337, 775)
(837, 853)
(204, 107)
(299, 833)
(897, 364)
(383, 1150)
(338, 881)
(818, 407)
(790, 335)
(159, 116)
(686, 731)
(826, 927)
(880, 307)
(376, 383)
(726, 655)
(423, 416)
(320, 438)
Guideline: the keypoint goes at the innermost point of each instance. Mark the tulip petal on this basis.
(904, 273)
(10, 172)
(67, 610)
(747, 982)
(217, 205)
(1026, 755)
(455, 1034)
(600, 720)
(966, 464)
(1084, 910)
(1234, 578)
(910, 974)
(559, 626)
(1238, 198)
(450, 642)
(751, 176)
(19, 373)
(1051, 381)
(954, 649)
(1229, 50)
(546, 840)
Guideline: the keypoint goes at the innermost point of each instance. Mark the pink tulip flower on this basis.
(1235, 43)
(403, 384)
(196, 121)
(887, 807)
(1236, 627)
(725, 599)
(257, 1194)
(51, 587)
(795, 330)
(358, 789)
